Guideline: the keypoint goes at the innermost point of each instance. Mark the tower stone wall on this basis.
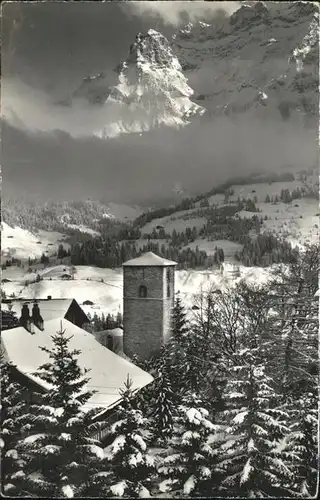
(168, 301)
(147, 319)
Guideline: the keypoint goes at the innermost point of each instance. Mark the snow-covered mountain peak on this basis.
(154, 49)
(308, 49)
(151, 90)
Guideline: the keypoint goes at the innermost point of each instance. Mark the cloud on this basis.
(32, 110)
(133, 167)
(175, 12)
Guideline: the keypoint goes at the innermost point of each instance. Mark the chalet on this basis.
(87, 303)
(50, 309)
(108, 371)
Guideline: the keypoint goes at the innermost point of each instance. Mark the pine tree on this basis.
(15, 421)
(8, 320)
(61, 252)
(297, 308)
(190, 464)
(163, 407)
(175, 352)
(179, 321)
(253, 465)
(63, 458)
(301, 444)
(128, 465)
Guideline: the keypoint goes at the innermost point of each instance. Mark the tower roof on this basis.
(149, 259)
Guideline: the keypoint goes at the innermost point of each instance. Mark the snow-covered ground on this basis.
(178, 221)
(107, 295)
(252, 190)
(229, 247)
(21, 244)
(84, 229)
(124, 212)
(297, 221)
(261, 190)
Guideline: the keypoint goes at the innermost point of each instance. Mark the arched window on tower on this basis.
(168, 290)
(110, 342)
(142, 291)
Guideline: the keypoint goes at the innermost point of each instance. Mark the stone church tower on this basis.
(148, 299)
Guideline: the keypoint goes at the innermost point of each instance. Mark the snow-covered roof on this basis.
(49, 308)
(108, 371)
(149, 259)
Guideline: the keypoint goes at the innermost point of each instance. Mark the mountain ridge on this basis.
(263, 59)
(255, 61)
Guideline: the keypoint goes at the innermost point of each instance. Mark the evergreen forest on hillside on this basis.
(115, 241)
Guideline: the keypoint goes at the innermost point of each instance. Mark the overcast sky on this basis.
(48, 47)
(52, 45)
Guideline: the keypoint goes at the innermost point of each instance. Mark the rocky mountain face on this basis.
(151, 90)
(263, 59)
(94, 89)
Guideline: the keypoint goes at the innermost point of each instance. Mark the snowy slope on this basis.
(297, 221)
(83, 215)
(21, 244)
(122, 212)
(178, 221)
(229, 247)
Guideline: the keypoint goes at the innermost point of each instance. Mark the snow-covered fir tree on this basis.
(294, 361)
(175, 352)
(253, 465)
(179, 321)
(129, 467)
(190, 464)
(163, 410)
(296, 342)
(300, 445)
(62, 457)
(15, 422)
